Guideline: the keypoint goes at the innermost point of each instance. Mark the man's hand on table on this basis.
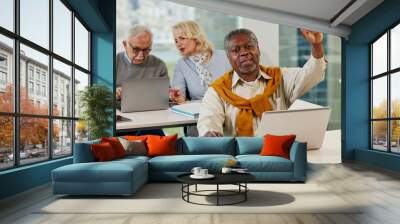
(213, 134)
(176, 96)
(118, 93)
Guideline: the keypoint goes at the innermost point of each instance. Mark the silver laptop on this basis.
(145, 94)
(309, 125)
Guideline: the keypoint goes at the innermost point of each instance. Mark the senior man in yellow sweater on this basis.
(234, 103)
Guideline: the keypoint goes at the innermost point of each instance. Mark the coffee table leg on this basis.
(188, 189)
(245, 191)
(217, 194)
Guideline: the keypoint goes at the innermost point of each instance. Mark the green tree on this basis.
(97, 104)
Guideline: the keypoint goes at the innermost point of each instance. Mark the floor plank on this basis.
(377, 190)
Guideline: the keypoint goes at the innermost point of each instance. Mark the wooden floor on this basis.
(377, 188)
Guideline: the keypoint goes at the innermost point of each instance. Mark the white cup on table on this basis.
(196, 171)
(203, 172)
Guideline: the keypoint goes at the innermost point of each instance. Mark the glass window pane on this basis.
(62, 89)
(6, 74)
(379, 98)
(35, 21)
(379, 55)
(395, 94)
(81, 131)
(379, 135)
(34, 72)
(81, 45)
(395, 136)
(81, 81)
(62, 138)
(33, 140)
(7, 14)
(6, 142)
(395, 47)
(62, 29)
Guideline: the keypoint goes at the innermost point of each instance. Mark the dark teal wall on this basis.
(356, 99)
(380, 159)
(24, 178)
(356, 102)
(102, 63)
(99, 16)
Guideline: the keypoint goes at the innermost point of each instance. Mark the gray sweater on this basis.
(187, 79)
(152, 67)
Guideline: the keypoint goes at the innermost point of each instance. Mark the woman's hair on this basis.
(190, 29)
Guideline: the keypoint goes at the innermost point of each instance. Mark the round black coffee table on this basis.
(238, 179)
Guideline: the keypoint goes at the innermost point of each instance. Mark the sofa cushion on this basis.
(134, 147)
(136, 137)
(103, 152)
(249, 145)
(206, 145)
(185, 163)
(116, 145)
(275, 145)
(257, 163)
(133, 157)
(161, 145)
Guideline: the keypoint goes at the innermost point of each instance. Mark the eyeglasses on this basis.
(137, 50)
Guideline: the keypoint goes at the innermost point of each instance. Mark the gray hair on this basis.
(138, 29)
(236, 32)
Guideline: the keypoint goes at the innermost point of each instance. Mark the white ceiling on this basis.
(319, 9)
(320, 15)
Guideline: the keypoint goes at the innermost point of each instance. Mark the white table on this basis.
(152, 120)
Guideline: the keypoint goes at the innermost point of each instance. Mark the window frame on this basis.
(16, 114)
(388, 74)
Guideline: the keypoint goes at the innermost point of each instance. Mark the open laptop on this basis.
(309, 125)
(145, 95)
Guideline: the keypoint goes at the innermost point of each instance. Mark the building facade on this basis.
(34, 81)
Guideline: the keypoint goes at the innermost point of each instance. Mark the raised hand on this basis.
(312, 37)
(315, 39)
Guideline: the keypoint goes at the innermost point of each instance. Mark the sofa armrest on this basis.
(298, 155)
(83, 152)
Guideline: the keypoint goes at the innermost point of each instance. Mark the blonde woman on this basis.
(200, 65)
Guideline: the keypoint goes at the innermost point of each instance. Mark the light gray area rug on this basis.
(166, 198)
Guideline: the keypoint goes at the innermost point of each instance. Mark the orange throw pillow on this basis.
(103, 152)
(277, 145)
(136, 137)
(116, 145)
(161, 145)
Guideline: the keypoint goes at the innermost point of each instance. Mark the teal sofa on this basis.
(125, 176)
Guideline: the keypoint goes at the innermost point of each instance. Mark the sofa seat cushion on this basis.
(185, 163)
(133, 158)
(257, 163)
(112, 171)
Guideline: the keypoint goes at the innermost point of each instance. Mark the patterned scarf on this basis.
(204, 75)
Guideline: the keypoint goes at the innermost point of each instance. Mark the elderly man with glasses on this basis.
(136, 62)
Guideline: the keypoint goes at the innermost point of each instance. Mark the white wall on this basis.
(268, 39)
